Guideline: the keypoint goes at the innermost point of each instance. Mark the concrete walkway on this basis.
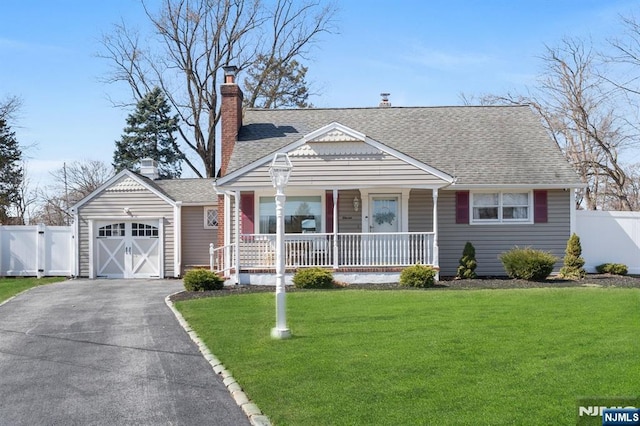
(105, 352)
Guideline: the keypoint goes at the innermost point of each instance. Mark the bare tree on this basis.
(581, 113)
(70, 184)
(193, 41)
(9, 108)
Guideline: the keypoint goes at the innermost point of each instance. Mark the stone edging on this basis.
(249, 408)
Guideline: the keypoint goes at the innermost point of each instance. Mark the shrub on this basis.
(528, 263)
(202, 280)
(468, 263)
(418, 276)
(573, 263)
(612, 268)
(313, 278)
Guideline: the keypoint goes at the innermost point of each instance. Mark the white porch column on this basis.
(227, 230)
(236, 215)
(436, 253)
(335, 229)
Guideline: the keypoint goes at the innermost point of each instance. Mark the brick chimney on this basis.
(230, 115)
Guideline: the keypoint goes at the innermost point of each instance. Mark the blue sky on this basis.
(424, 52)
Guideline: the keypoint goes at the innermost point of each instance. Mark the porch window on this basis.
(501, 207)
(301, 214)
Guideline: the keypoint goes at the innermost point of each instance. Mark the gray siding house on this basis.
(374, 190)
(135, 226)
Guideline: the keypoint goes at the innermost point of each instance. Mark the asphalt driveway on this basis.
(105, 352)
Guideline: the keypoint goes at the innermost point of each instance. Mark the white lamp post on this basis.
(280, 171)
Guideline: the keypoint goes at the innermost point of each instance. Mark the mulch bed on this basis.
(592, 280)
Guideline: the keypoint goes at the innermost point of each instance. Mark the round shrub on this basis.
(313, 278)
(418, 276)
(528, 264)
(612, 268)
(202, 280)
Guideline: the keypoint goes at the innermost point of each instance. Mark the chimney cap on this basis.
(230, 72)
(385, 100)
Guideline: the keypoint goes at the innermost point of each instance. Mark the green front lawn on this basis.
(9, 287)
(485, 357)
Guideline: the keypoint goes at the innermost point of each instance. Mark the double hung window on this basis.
(501, 207)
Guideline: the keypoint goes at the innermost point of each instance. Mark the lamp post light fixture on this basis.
(280, 171)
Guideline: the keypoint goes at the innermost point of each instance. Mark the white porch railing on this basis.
(257, 251)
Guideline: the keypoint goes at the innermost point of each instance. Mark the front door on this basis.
(128, 249)
(384, 213)
(384, 218)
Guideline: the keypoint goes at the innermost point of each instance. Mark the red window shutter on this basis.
(540, 206)
(329, 211)
(462, 206)
(247, 213)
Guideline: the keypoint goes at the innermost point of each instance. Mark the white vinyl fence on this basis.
(609, 237)
(36, 251)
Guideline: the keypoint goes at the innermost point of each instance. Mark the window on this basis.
(501, 207)
(211, 217)
(113, 230)
(301, 214)
(143, 230)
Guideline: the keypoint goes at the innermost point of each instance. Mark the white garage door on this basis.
(128, 249)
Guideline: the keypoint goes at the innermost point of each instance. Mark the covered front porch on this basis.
(352, 204)
(378, 255)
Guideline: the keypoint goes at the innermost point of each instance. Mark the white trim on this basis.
(478, 187)
(116, 178)
(500, 220)
(161, 248)
(205, 211)
(177, 239)
(403, 204)
(76, 243)
(572, 212)
(92, 254)
(330, 128)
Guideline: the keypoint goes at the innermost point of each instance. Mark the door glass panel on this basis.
(384, 214)
(112, 230)
(143, 230)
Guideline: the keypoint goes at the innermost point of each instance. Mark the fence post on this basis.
(40, 251)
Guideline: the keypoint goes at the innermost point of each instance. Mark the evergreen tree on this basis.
(11, 170)
(274, 83)
(149, 134)
(573, 263)
(468, 263)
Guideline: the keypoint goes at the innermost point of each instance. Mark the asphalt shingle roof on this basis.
(193, 190)
(486, 145)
